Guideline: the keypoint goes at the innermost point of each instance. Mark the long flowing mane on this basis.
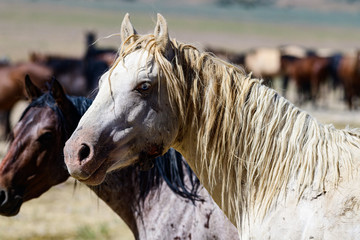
(256, 142)
(171, 169)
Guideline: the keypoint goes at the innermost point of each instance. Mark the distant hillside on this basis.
(320, 5)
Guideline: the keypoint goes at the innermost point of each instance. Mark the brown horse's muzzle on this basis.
(10, 202)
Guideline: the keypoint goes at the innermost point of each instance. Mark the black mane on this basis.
(173, 169)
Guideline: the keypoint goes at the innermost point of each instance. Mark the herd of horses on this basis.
(307, 68)
(257, 167)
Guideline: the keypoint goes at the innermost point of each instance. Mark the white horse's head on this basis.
(130, 116)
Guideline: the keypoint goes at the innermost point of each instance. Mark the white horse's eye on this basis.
(142, 87)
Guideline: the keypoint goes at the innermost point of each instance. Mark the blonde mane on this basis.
(256, 142)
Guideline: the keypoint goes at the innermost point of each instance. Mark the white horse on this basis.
(273, 169)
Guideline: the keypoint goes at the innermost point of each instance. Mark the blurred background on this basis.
(308, 50)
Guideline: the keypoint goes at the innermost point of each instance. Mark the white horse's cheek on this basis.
(118, 136)
(135, 114)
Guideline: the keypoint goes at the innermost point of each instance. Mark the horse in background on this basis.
(12, 86)
(267, 63)
(69, 71)
(309, 74)
(235, 58)
(96, 60)
(274, 170)
(163, 202)
(107, 55)
(348, 71)
(4, 115)
(79, 75)
(262, 62)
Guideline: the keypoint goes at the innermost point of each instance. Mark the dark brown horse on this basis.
(107, 55)
(349, 75)
(308, 73)
(35, 162)
(79, 76)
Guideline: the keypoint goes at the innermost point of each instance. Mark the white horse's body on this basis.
(332, 216)
(273, 169)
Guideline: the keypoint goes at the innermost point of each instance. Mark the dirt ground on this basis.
(47, 27)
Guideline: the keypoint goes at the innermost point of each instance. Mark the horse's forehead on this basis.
(43, 117)
(138, 57)
(136, 65)
(138, 61)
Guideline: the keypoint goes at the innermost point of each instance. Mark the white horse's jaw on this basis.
(119, 164)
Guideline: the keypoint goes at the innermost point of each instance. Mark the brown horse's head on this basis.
(34, 161)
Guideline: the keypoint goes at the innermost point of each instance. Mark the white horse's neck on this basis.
(283, 149)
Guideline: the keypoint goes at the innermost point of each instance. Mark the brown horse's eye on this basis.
(45, 138)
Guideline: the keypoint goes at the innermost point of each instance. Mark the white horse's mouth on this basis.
(144, 158)
(97, 177)
(122, 164)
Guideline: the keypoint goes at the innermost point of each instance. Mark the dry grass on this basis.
(63, 213)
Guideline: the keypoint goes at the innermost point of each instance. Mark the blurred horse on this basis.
(349, 75)
(308, 73)
(236, 58)
(12, 86)
(79, 75)
(96, 60)
(264, 63)
(67, 70)
(107, 55)
(35, 162)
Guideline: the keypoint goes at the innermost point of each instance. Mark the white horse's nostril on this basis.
(84, 152)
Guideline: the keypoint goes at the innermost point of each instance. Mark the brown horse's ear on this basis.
(32, 91)
(58, 92)
(127, 30)
(162, 37)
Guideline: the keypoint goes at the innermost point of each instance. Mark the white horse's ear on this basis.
(127, 29)
(162, 36)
